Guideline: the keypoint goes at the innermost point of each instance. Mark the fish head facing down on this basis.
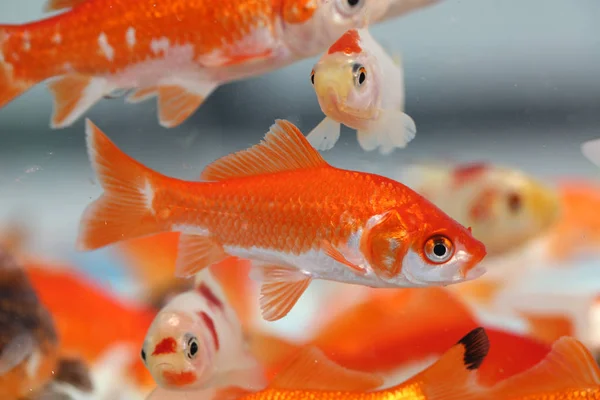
(347, 81)
(177, 351)
(421, 245)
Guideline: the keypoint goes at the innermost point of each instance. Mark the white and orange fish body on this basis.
(196, 343)
(178, 50)
(361, 86)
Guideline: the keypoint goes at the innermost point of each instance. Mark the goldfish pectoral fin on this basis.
(75, 373)
(395, 130)
(281, 290)
(16, 352)
(74, 95)
(452, 376)
(591, 150)
(325, 135)
(124, 211)
(178, 100)
(197, 252)
(310, 369)
(568, 365)
(142, 94)
(334, 253)
(56, 5)
(284, 148)
(231, 393)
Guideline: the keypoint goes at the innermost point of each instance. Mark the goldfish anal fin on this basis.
(15, 352)
(143, 94)
(334, 253)
(280, 291)
(124, 211)
(75, 94)
(310, 369)
(325, 135)
(197, 252)
(451, 377)
(568, 365)
(284, 148)
(591, 151)
(56, 5)
(177, 101)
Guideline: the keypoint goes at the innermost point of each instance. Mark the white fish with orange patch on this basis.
(361, 86)
(196, 344)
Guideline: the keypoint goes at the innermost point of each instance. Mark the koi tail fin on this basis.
(569, 365)
(10, 87)
(452, 376)
(125, 209)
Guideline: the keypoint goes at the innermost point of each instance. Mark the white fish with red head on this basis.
(361, 86)
(196, 344)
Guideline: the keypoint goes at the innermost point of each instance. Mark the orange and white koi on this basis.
(359, 85)
(178, 50)
(196, 343)
(311, 375)
(506, 208)
(281, 205)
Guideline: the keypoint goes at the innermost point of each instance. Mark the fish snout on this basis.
(471, 268)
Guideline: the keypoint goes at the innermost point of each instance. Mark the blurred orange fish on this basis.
(311, 375)
(281, 205)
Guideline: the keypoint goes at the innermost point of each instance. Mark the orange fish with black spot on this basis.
(177, 50)
(282, 206)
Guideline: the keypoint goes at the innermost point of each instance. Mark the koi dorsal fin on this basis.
(57, 5)
(310, 369)
(284, 148)
(569, 365)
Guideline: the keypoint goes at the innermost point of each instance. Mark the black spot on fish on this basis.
(477, 346)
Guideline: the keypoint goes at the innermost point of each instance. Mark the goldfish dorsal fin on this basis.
(451, 377)
(568, 365)
(310, 369)
(284, 148)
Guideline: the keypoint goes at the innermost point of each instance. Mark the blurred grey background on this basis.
(515, 82)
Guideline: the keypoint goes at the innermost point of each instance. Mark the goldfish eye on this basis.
(312, 77)
(192, 346)
(438, 249)
(360, 74)
(349, 7)
(143, 355)
(514, 202)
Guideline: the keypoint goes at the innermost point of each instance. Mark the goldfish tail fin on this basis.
(125, 209)
(10, 87)
(452, 376)
(568, 365)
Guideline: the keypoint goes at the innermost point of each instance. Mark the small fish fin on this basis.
(281, 290)
(334, 253)
(197, 252)
(394, 130)
(325, 135)
(125, 210)
(284, 148)
(10, 88)
(591, 151)
(452, 376)
(269, 349)
(177, 101)
(15, 352)
(230, 393)
(75, 373)
(310, 369)
(56, 5)
(568, 365)
(74, 95)
(142, 94)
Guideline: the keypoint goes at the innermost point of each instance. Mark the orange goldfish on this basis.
(359, 85)
(310, 375)
(283, 206)
(178, 50)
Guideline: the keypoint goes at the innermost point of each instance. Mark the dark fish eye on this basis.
(360, 74)
(353, 3)
(143, 355)
(192, 347)
(514, 202)
(312, 76)
(438, 249)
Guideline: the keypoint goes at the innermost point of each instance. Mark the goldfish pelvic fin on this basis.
(334, 253)
(142, 94)
(178, 100)
(310, 369)
(325, 135)
(75, 94)
(568, 365)
(10, 88)
(394, 130)
(284, 148)
(197, 252)
(451, 377)
(125, 209)
(16, 352)
(591, 151)
(281, 290)
(56, 5)
(75, 373)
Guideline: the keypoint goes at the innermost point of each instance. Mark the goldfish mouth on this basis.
(174, 378)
